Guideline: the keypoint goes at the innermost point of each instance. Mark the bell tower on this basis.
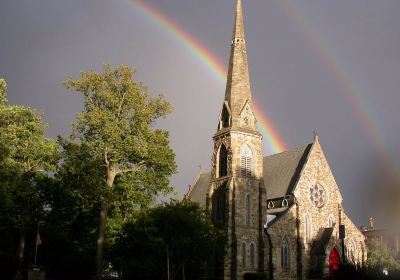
(236, 193)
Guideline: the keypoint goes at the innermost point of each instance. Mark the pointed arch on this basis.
(244, 251)
(247, 210)
(271, 205)
(219, 205)
(222, 161)
(246, 161)
(285, 253)
(334, 261)
(252, 255)
(284, 203)
(331, 221)
(225, 116)
(350, 250)
(247, 117)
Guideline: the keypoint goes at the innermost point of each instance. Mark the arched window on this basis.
(350, 251)
(247, 218)
(218, 204)
(244, 254)
(307, 228)
(330, 222)
(252, 255)
(223, 161)
(285, 254)
(224, 118)
(246, 159)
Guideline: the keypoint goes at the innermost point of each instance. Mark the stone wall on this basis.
(282, 227)
(237, 189)
(322, 213)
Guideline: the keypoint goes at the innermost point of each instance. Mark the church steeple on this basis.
(236, 192)
(238, 83)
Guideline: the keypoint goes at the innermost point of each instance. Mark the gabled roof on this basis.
(198, 192)
(282, 171)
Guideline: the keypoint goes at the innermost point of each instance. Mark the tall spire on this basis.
(238, 83)
(238, 31)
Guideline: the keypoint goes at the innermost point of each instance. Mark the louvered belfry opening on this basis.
(246, 162)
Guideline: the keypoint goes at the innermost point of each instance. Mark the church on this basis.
(282, 214)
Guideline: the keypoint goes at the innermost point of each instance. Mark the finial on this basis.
(372, 222)
(315, 135)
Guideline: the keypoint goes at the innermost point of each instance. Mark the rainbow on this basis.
(348, 88)
(275, 144)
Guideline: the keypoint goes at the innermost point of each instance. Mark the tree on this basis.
(25, 155)
(116, 126)
(70, 230)
(179, 231)
(380, 256)
(3, 92)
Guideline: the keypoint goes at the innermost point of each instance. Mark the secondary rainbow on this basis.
(275, 144)
(348, 88)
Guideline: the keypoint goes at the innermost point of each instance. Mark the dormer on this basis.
(224, 117)
(247, 118)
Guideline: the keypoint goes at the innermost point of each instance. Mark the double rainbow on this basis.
(274, 142)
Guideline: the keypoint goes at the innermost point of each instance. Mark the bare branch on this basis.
(120, 104)
(132, 168)
(106, 160)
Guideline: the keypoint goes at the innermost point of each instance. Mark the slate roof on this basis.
(282, 171)
(198, 192)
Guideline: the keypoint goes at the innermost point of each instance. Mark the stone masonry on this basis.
(281, 213)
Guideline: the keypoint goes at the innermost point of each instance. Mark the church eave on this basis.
(230, 130)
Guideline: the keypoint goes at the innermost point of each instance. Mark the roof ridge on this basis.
(291, 150)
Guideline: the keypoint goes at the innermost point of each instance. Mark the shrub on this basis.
(255, 276)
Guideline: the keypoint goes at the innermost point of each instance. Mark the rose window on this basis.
(318, 195)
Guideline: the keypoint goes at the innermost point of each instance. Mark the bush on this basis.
(255, 276)
(79, 266)
(364, 273)
(8, 265)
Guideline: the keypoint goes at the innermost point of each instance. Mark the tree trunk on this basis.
(20, 254)
(102, 227)
(100, 240)
(21, 248)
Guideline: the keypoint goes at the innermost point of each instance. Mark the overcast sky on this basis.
(330, 66)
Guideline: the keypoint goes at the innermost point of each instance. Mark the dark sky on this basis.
(330, 66)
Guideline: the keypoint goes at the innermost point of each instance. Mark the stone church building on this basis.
(282, 214)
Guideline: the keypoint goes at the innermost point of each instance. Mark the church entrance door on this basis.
(334, 261)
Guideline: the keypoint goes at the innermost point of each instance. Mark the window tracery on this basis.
(285, 253)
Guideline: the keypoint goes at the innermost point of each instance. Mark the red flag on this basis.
(38, 240)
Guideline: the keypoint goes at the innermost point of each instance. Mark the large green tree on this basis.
(25, 155)
(117, 127)
(178, 233)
